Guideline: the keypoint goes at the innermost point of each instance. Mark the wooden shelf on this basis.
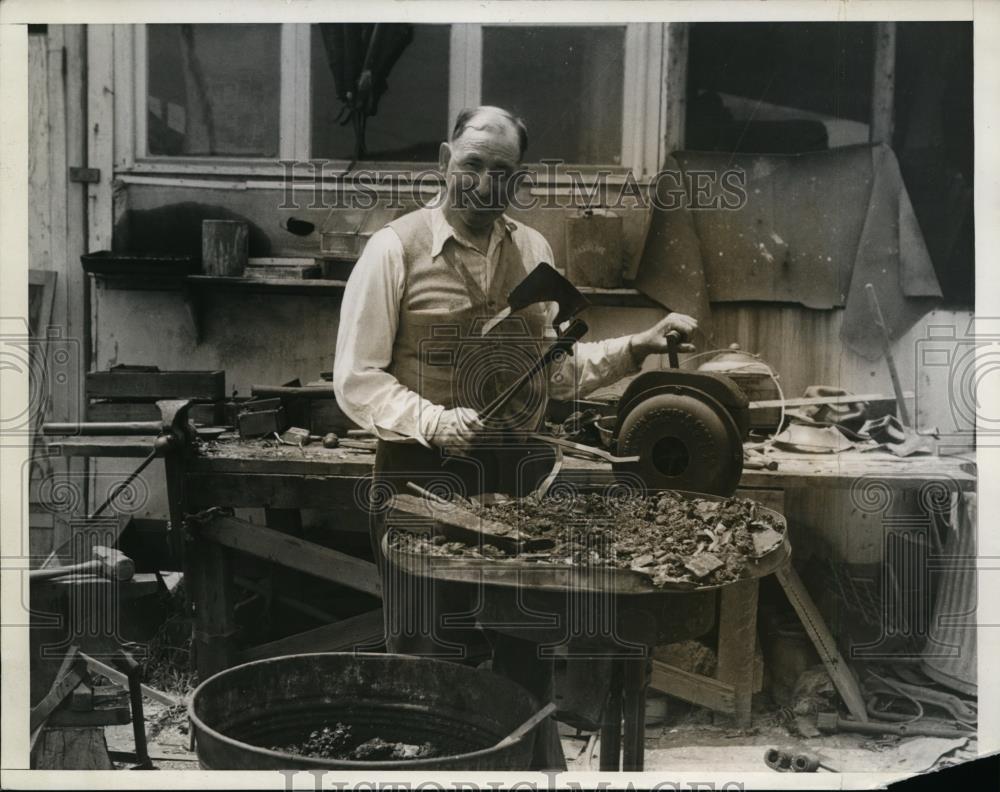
(196, 288)
(618, 298)
(225, 283)
(272, 285)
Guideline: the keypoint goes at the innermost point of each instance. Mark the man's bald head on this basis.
(490, 118)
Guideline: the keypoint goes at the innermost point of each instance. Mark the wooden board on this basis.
(125, 384)
(701, 690)
(269, 490)
(207, 414)
(290, 551)
(807, 402)
(356, 632)
(412, 512)
(99, 716)
(71, 749)
(823, 641)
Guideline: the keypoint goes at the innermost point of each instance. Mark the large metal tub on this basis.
(280, 700)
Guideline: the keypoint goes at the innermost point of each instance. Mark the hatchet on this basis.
(542, 284)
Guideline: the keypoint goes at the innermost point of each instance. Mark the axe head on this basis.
(542, 284)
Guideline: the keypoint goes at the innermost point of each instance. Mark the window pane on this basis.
(782, 87)
(411, 117)
(565, 82)
(213, 89)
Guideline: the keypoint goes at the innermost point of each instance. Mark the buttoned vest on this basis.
(439, 351)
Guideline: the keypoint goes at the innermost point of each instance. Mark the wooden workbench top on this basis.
(827, 471)
(794, 470)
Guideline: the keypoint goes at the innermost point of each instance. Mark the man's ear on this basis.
(444, 157)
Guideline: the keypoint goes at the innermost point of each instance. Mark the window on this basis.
(772, 88)
(568, 81)
(236, 98)
(412, 116)
(213, 90)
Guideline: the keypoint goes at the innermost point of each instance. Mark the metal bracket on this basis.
(85, 175)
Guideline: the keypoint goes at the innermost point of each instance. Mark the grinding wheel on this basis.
(685, 440)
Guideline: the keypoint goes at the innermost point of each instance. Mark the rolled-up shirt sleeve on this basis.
(369, 318)
(592, 365)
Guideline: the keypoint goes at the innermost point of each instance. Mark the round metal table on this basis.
(597, 611)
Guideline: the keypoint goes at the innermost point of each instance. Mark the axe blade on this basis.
(542, 284)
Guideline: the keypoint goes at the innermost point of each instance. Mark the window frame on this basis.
(642, 128)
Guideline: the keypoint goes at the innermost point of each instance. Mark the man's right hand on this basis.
(458, 428)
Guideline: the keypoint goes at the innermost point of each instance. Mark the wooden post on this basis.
(883, 84)
(737, 639)
(214, 627)
(611, 723)
(675, 86)
(636, 678)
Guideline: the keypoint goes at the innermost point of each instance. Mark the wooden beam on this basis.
(642, 125)
(245, 490)
(71, 77)
(290, 551)
(119, 678)
(737, 639)
(823, 640)
(100, 132)
(464, 69)
(208, 573)
(806, 401)
(125, 75)
(883, 84)
(701, 690)
(675, 87)
(39, 176)
(365, 630)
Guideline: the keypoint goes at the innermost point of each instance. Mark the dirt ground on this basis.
(689, 739)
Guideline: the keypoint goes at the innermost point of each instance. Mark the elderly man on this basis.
(411, 365)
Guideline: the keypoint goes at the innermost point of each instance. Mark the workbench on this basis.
(283, 480)
(253, 474)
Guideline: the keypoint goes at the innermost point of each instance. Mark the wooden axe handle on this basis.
(563, 344)
(107, 561)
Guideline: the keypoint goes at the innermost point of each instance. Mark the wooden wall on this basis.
(801, 344)
(56, 239)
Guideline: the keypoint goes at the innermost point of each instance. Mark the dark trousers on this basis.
(438, 619)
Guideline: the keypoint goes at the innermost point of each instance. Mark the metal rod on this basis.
(103, 428)
(527, 726)
(427, 494)
(904, 414)
(121, 487)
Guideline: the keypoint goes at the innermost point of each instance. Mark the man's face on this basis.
(480, 168)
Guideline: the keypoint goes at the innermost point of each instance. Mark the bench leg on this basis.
(611, 723)
(737, 639)
(634, 705)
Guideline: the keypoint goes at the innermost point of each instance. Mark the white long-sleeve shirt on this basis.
(369, 317)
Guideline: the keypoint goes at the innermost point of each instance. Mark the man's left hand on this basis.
(654, 340)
